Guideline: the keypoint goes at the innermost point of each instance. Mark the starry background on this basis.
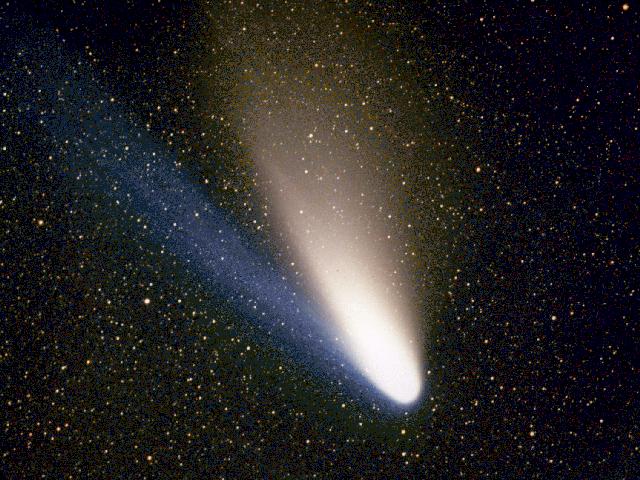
(516, 138)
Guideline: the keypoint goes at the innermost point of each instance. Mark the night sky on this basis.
(193, 195)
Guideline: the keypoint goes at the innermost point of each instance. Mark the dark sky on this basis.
(505, 141)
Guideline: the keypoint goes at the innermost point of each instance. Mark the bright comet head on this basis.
(388, 363)
(376, 336)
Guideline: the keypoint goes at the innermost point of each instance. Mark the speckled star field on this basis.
(334, 240)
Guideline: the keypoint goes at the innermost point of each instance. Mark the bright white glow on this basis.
(376, 340)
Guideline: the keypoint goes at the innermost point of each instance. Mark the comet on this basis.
(349, 305)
